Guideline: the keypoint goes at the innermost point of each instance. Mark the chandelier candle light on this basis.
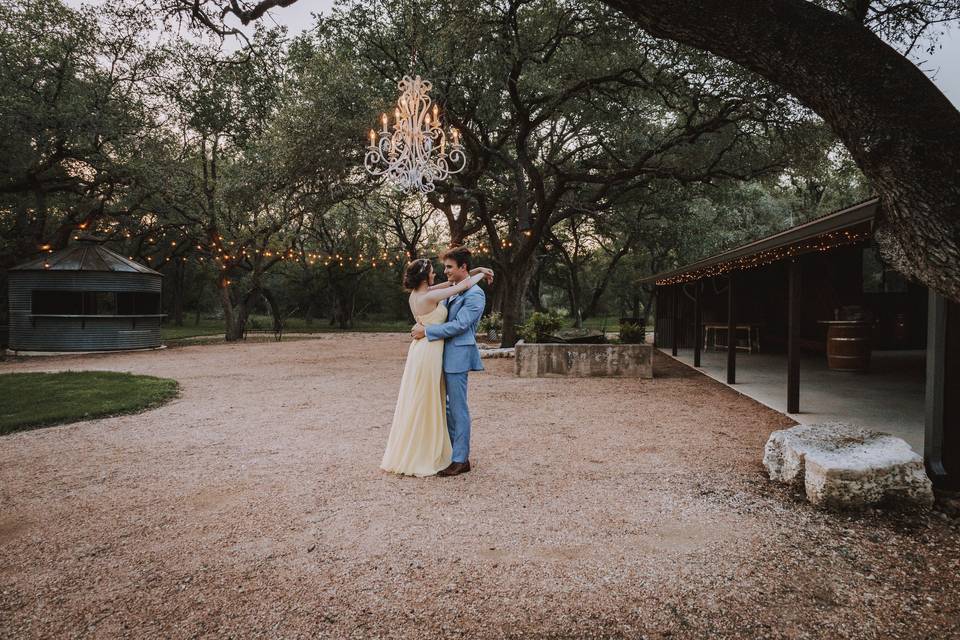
(415, 153)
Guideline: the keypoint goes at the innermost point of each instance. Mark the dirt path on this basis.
(252, 506)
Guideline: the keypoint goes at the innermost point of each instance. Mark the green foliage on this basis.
(631, 333)
(540, 324)
(40, 399)
(621, 151)
(76, 133)
(492, 321)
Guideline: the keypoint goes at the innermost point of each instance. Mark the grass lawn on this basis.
(209, 327)
(265, 323)
(41, 399)
(611, 323)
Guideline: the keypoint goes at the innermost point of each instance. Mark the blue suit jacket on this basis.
(460, 353)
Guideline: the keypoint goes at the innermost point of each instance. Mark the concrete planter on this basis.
(584, 360)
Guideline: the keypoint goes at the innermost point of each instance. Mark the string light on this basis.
(824, 242)
(376, 259)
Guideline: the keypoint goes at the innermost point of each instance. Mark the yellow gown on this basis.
(419, 444)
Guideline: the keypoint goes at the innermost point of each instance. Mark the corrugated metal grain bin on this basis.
(84, 298)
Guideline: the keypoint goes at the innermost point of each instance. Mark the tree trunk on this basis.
(178, 282)
(240, 323)
(511, 301)
(573, 296)
(513, 287)
(601, 286)
(226, 303)
(243, 314)
(308, 315)
(533, 292)
(235, 315)
(343, 303)
(496, 292)
(274, 309)
(203, 287)
(648, 293)
(343, 311)
(648, 309)
(900, 129)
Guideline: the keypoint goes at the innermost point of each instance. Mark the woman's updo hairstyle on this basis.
(415, 273)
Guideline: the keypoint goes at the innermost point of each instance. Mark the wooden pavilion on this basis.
(820, 286)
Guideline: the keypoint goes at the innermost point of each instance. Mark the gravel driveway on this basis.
(252, 506)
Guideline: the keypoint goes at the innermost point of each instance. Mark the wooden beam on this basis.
(731, 334)
(793, 323)
(676, 291)
(941, 443)
(697, 323)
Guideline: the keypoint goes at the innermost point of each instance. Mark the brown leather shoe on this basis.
(455, 469)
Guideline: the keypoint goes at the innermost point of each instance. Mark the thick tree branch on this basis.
(900, 129)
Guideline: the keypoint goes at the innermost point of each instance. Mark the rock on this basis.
(843, 466)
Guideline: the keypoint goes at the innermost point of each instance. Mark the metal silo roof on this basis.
(85, 256)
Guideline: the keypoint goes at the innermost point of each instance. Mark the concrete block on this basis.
(584, 360)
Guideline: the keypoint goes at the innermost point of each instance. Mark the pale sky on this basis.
(943, 67)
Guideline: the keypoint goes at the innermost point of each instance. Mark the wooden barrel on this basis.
(848, 346)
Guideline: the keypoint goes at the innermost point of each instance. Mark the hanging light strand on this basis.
(824, 242)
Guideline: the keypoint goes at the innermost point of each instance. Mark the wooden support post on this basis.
(675, 292)
(941, 443)
(697, 324)
(793, 352)
(731, 334)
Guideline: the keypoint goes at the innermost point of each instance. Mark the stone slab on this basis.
(848, 467)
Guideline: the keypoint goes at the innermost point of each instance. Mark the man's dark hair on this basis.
(460, 255)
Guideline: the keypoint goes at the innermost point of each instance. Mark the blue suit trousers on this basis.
(458, 414)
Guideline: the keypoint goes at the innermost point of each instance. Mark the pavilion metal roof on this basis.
(85, 256)
(802, 238)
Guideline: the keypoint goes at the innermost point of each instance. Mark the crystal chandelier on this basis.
(415, 153)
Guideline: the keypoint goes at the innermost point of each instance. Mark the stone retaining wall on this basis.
(584, 360)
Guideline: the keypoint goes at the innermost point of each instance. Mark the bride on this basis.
(419, 443)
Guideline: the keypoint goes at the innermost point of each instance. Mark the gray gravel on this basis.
(252, 506)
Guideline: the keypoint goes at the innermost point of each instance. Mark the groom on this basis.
(460, 353)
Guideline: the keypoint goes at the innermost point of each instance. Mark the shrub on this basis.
(539, 324)
(631, 333)
(493, 321)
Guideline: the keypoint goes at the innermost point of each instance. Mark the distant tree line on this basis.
(597, 153)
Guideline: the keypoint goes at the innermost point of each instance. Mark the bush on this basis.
(493, 321)
(631, 333)
(539, 324)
